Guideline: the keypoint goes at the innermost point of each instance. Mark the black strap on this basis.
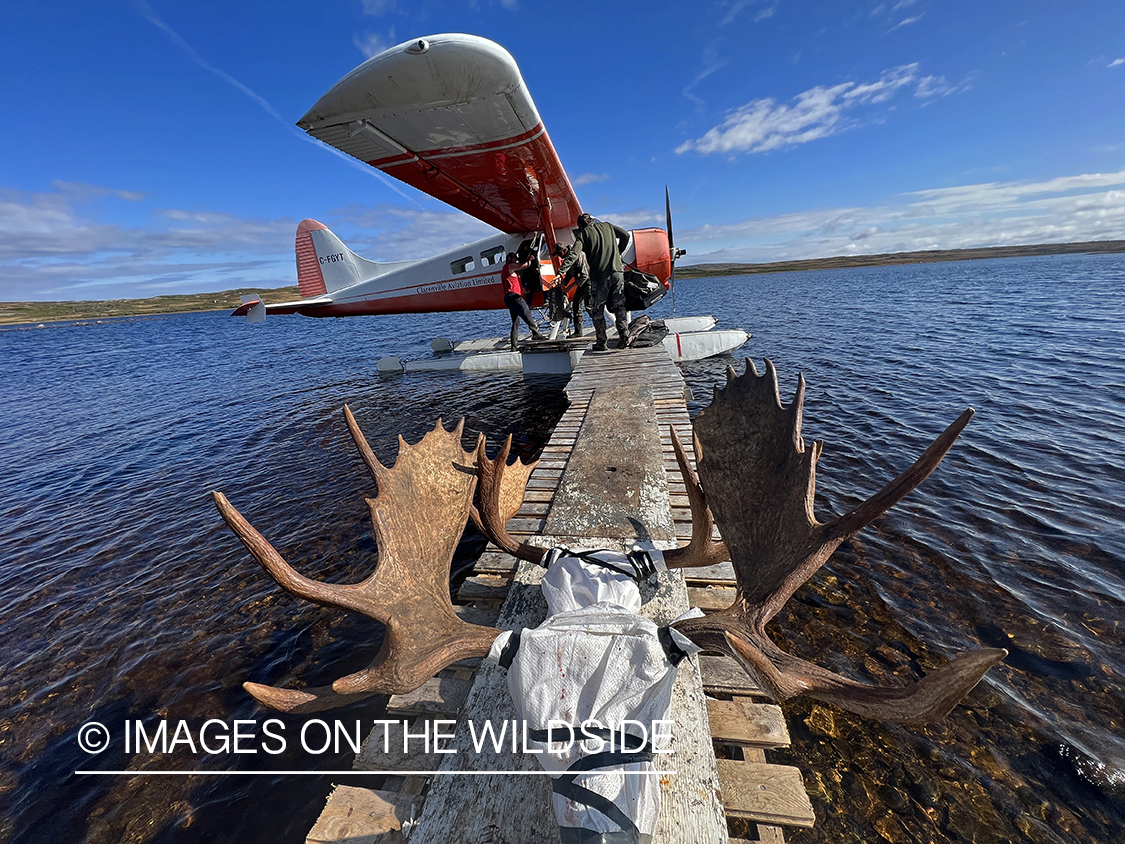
(574, 835)
(639, 560)
(510, 648)
(673, 651)
(567, 787)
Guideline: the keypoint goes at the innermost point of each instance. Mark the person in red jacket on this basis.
(513, 296)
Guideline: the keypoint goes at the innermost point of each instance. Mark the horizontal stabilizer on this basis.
(252, 308)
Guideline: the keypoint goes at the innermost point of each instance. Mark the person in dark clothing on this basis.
(580, 272)
(602, 243)
(513, 296)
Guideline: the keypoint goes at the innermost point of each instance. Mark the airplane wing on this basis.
(451, 116)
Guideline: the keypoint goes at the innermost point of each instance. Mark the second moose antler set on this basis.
(756, 477)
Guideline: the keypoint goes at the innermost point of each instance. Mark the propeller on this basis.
(673, 252)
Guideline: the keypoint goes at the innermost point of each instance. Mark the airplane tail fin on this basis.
(325, 265)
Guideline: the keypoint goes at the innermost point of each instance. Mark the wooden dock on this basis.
(607, 477)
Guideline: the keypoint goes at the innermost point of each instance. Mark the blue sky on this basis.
(150, 146)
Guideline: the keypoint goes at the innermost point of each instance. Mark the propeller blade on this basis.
(671, 246)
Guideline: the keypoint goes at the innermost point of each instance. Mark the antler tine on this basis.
(858, 518)
(325, 594)
(372, 462)
(301, 701)
(501, 488)
(701, 550)
(929, 699)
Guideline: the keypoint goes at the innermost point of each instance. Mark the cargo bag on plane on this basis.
(642, 290)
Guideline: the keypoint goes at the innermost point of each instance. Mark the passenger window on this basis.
(462, 265)
(492, 256)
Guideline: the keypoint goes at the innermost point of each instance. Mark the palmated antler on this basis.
(419, 514)
(500, 493)
(760, 480)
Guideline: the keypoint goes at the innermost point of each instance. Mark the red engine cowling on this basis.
(653, 254)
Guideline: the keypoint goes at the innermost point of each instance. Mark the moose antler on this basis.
(760, 480)
(500, 493)
(419, 514)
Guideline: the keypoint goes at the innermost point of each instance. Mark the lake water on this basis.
(123, 595)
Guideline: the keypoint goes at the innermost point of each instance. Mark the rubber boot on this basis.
(622, 330)
(577, 322)
(600, 336)
(513, 336)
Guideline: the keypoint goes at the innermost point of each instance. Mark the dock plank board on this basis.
(745, 723)
(363, 816)
(723, 674)
(772, 794)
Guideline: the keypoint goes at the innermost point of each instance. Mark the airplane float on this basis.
(451, 116)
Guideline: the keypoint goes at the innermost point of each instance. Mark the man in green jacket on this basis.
(602, 243)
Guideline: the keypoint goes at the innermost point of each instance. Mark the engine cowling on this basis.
(652, 253)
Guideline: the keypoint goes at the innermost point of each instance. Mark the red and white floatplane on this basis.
(451, 116)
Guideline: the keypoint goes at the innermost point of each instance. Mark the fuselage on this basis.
(337, 282)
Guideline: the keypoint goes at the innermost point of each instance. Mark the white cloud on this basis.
(1116, 62)
(373, 43)
(589, 179)
(765, 13)
(764, 124)
(394, 233)
(1064, 209)
(735, 7)
(905, 22)
(939, 86)
(52, 245)
(711, 63)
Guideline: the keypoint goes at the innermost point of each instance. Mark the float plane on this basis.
(451, 116)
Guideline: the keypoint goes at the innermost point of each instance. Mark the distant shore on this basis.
(922, 257)
(32, 313)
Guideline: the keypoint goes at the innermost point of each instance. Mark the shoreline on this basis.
(35, 313)
(14, 314)
(886, 259)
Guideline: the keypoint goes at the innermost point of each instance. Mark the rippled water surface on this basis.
(124, 596)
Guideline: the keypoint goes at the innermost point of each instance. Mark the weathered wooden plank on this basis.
(485, 617)
(383, 749)
(766, 835)
(437, 696)
(747, 724)
(711, 598)
(723, 674)
(720, 574)
(483, 587)
(773, 794)
(362, 816)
